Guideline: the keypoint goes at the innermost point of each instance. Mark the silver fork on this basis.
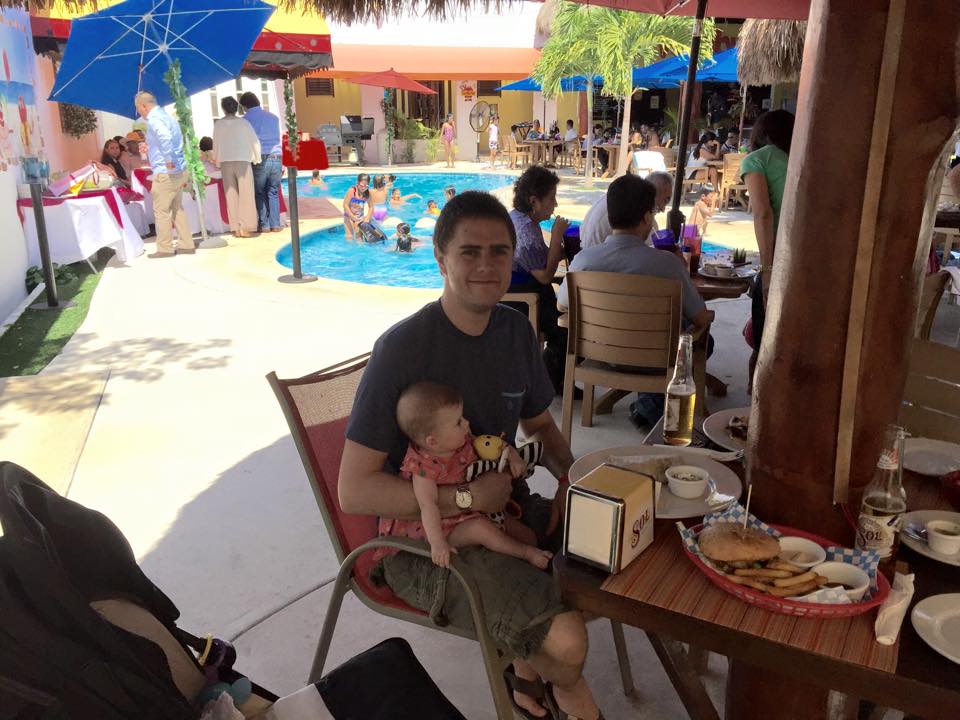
(718, 455)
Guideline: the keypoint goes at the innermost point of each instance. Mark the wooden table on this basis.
(544, 147)
(663, 593)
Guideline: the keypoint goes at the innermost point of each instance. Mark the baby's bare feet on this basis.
(539, 558)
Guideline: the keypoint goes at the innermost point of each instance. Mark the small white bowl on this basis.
(855, 580)
(801, 552)
(943, 536)
(687, 481)
(720, 269)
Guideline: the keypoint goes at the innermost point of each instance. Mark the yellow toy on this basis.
(488, 447)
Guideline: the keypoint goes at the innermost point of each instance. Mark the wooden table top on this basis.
(663, 592)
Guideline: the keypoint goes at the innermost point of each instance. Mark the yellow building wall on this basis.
(513, 106)
(567, 109)
(316, 110)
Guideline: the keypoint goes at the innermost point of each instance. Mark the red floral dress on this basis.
(443, 471)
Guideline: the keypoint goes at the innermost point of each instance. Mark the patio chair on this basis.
(730, 183)
(931, 397)
(644, 162)
(532, 301)
(627, 321)
(933, 287)
(317, 408)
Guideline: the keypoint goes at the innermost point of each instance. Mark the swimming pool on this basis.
(327, 253)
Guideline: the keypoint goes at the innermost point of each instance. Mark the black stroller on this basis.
(85, 634)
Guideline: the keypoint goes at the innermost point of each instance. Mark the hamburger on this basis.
(732, 545)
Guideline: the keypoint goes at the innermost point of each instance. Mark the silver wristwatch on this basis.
(463, 497)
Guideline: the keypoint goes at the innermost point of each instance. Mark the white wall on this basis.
(466, 136)
(13, 247)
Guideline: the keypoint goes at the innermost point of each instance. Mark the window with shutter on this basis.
(319, 86)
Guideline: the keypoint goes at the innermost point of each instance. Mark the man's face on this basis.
(731, 139)
(477, 263)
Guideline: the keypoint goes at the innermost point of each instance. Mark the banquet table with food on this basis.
(785, 597)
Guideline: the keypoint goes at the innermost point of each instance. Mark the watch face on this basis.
(464, 499)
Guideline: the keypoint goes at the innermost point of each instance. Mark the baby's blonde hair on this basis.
(418, 405)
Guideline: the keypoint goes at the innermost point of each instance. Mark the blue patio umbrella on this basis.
(576, 83)
(116, 52)
(722, 69)
(672, 69)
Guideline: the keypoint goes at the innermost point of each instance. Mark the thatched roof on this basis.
(770, 51)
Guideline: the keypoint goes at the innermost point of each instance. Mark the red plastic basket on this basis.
(790, 607)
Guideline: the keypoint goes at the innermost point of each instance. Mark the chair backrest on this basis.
(317, 408)
(931, 397)
(624, 319)
(731, 169)
(933, 287)
(648, 161)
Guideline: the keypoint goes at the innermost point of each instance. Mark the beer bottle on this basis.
(681, 396)
(884, 503)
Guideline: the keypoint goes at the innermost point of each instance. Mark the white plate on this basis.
(937, 621)
(930, 457)
(921, 518)
(669, 507)
(715, 428)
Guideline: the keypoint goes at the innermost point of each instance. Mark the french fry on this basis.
(763, 572)
(748, 582)
(792, 590)
(796, 579)
(784, 565)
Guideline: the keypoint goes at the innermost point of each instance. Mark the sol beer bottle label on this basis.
(671, 418)
(877, 533)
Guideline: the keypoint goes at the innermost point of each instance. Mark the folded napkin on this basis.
(894, 608)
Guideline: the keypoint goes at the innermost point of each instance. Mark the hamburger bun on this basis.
(731, 542)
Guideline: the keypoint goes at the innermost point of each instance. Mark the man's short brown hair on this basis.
(418, 405)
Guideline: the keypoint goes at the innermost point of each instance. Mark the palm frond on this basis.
(770, 51)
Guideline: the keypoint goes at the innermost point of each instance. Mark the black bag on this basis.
(371, 233)
(404, 690)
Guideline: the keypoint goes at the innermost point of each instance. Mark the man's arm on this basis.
(164, 143)
(557, 458)
(365, 489)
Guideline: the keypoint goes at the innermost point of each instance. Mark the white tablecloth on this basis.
(211, 208)
(77, 228)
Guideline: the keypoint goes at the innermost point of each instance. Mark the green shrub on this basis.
(63, 274)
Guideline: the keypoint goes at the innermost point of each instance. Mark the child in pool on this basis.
(317, 181)
(440, 451)
(357, 207)
(396, 199)
(449, 193)
(432, 208)
(405, 241)
(378, 196)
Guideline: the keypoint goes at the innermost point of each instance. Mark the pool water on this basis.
(327, 253)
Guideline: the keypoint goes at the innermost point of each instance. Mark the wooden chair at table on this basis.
(623, 320)
(730, 182)
(532, 301)
(933, 286)
(317, 409)
(931, 397)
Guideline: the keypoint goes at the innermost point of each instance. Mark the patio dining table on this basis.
(543, 148)
(664, 594)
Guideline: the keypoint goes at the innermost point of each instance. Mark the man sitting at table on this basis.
(630, 206)
(165, 152)
(595, 227)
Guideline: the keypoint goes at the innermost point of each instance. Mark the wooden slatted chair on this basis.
(317, 409)
(933, 286)
(532, 301)
(627, 320)
(730, 182)
(931, 397)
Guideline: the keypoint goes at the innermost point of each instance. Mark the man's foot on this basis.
(186, 251)
(159, 255)
(575, 703)
(537, 557)
(527, 690)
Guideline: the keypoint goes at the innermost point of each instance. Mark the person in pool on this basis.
(357, 207)
(449, 193)
(396, 199)
(432, 208)
(405, 241)
(317, 181)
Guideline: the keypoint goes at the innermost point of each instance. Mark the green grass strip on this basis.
(38, 336)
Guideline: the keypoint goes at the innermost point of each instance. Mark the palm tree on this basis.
(589, 40)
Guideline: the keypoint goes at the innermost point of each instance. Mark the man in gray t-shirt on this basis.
(489, 354)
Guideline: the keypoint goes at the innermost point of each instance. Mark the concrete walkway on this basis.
(190, 455)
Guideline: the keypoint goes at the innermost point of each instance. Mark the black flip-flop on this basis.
(534, 689)
(554, 708)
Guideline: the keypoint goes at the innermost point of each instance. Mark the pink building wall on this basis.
(65, 153)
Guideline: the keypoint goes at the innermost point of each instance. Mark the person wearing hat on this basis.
(133, 158)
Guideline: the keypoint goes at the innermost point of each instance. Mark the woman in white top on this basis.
(235, 148)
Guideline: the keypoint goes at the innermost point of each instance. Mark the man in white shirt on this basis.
(493, 140)
(595, 227)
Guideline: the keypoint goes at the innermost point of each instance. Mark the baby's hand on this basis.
(440, 553)
(517, 466)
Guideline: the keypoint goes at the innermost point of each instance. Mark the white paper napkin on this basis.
(894, 608)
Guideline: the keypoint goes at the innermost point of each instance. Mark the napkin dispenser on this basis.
(609, 519)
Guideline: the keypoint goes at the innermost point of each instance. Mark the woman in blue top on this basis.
(357, 207)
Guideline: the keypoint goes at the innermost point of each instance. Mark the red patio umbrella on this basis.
(767, 9)
(392, 79)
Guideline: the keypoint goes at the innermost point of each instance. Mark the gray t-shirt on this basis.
(628, 254)
(500, 375)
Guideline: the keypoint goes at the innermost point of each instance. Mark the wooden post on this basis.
(879, 99)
